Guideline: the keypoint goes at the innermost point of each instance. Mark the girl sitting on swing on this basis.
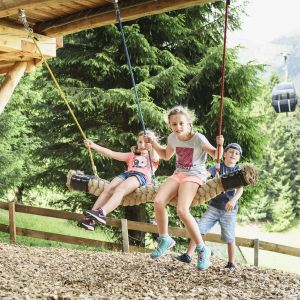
(138, 174)
(191, 149)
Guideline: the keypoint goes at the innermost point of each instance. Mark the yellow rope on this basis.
(31, 35)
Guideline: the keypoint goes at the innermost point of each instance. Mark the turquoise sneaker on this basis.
(163, 245)
(203, 261)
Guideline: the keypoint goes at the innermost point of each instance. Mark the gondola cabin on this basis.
(284, 97)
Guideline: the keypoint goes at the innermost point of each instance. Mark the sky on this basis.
(267, 20)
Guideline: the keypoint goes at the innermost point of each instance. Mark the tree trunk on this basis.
(19, 193)
(136, 213)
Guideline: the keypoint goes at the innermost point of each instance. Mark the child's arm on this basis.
(231, 204)
(153, 153)
(107, 152)
(211, 150)
(164, 152)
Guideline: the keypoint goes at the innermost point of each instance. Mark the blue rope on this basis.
(118, 17)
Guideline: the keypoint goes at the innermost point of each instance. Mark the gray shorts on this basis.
(227, 220)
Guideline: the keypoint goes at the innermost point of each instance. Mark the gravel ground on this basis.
(50, 273)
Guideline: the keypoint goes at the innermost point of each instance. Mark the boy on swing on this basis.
(222, 209)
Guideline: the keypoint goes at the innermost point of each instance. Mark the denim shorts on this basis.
(226, 219)
(141, 177)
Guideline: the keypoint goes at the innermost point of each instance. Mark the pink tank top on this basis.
(141, 163)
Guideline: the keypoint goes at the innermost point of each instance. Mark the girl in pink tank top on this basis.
(138, 174)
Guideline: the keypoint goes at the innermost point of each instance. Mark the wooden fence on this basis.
(125, 225)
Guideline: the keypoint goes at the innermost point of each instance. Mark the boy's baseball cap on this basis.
(234, 146)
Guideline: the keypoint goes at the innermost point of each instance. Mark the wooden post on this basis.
(256, 249)
(10, 82)
(12, 221)
(125, 235)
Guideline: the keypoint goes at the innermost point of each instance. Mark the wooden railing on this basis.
(125, 225)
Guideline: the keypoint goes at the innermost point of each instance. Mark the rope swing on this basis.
(23, 20)
(118, 17)
(218, 164)
(247, 175)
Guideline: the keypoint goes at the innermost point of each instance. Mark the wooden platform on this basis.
(53, 19)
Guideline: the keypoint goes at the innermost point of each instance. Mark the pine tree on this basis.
(280, 167)
(283, 210)
(17, 142)
(176, 59)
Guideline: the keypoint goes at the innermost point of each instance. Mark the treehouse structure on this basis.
(51, 20)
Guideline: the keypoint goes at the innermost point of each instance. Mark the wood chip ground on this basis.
(50, 273)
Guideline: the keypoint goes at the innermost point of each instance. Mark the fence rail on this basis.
(125, 225)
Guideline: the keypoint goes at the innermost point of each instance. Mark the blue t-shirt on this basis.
(221, 200)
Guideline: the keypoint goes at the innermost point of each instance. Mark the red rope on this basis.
(222, 83)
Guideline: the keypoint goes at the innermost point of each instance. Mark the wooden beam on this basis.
(14, 56)
(14, 40)
(10, 82)
(12, 222)
(5, 67)
(130, 10)
(125, 235)
(71, 239)
(9, 7)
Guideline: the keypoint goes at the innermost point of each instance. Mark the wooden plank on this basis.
(145, 227)
(10, 82)
(279, 248)
(3, 205)
(12, 221)
(125, 235)
(181, 232)
(16, 56)
(6, 68)
(130, 10)
(67, 239)
(59, 42)
(256, 252)
(4, 228)
(102, 244)
(15, 59)
(31, 66)
(14, 39)
(8, 8)
(48, 212)
(41, 15)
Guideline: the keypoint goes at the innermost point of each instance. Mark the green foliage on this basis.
(17, 141)
(176, 59)
(283, 211)
(278, 199)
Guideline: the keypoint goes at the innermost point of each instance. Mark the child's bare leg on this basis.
(186, 193)
(231, 251)
(107, 193)
(165, 193)
(124, 188)
(191, 248)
